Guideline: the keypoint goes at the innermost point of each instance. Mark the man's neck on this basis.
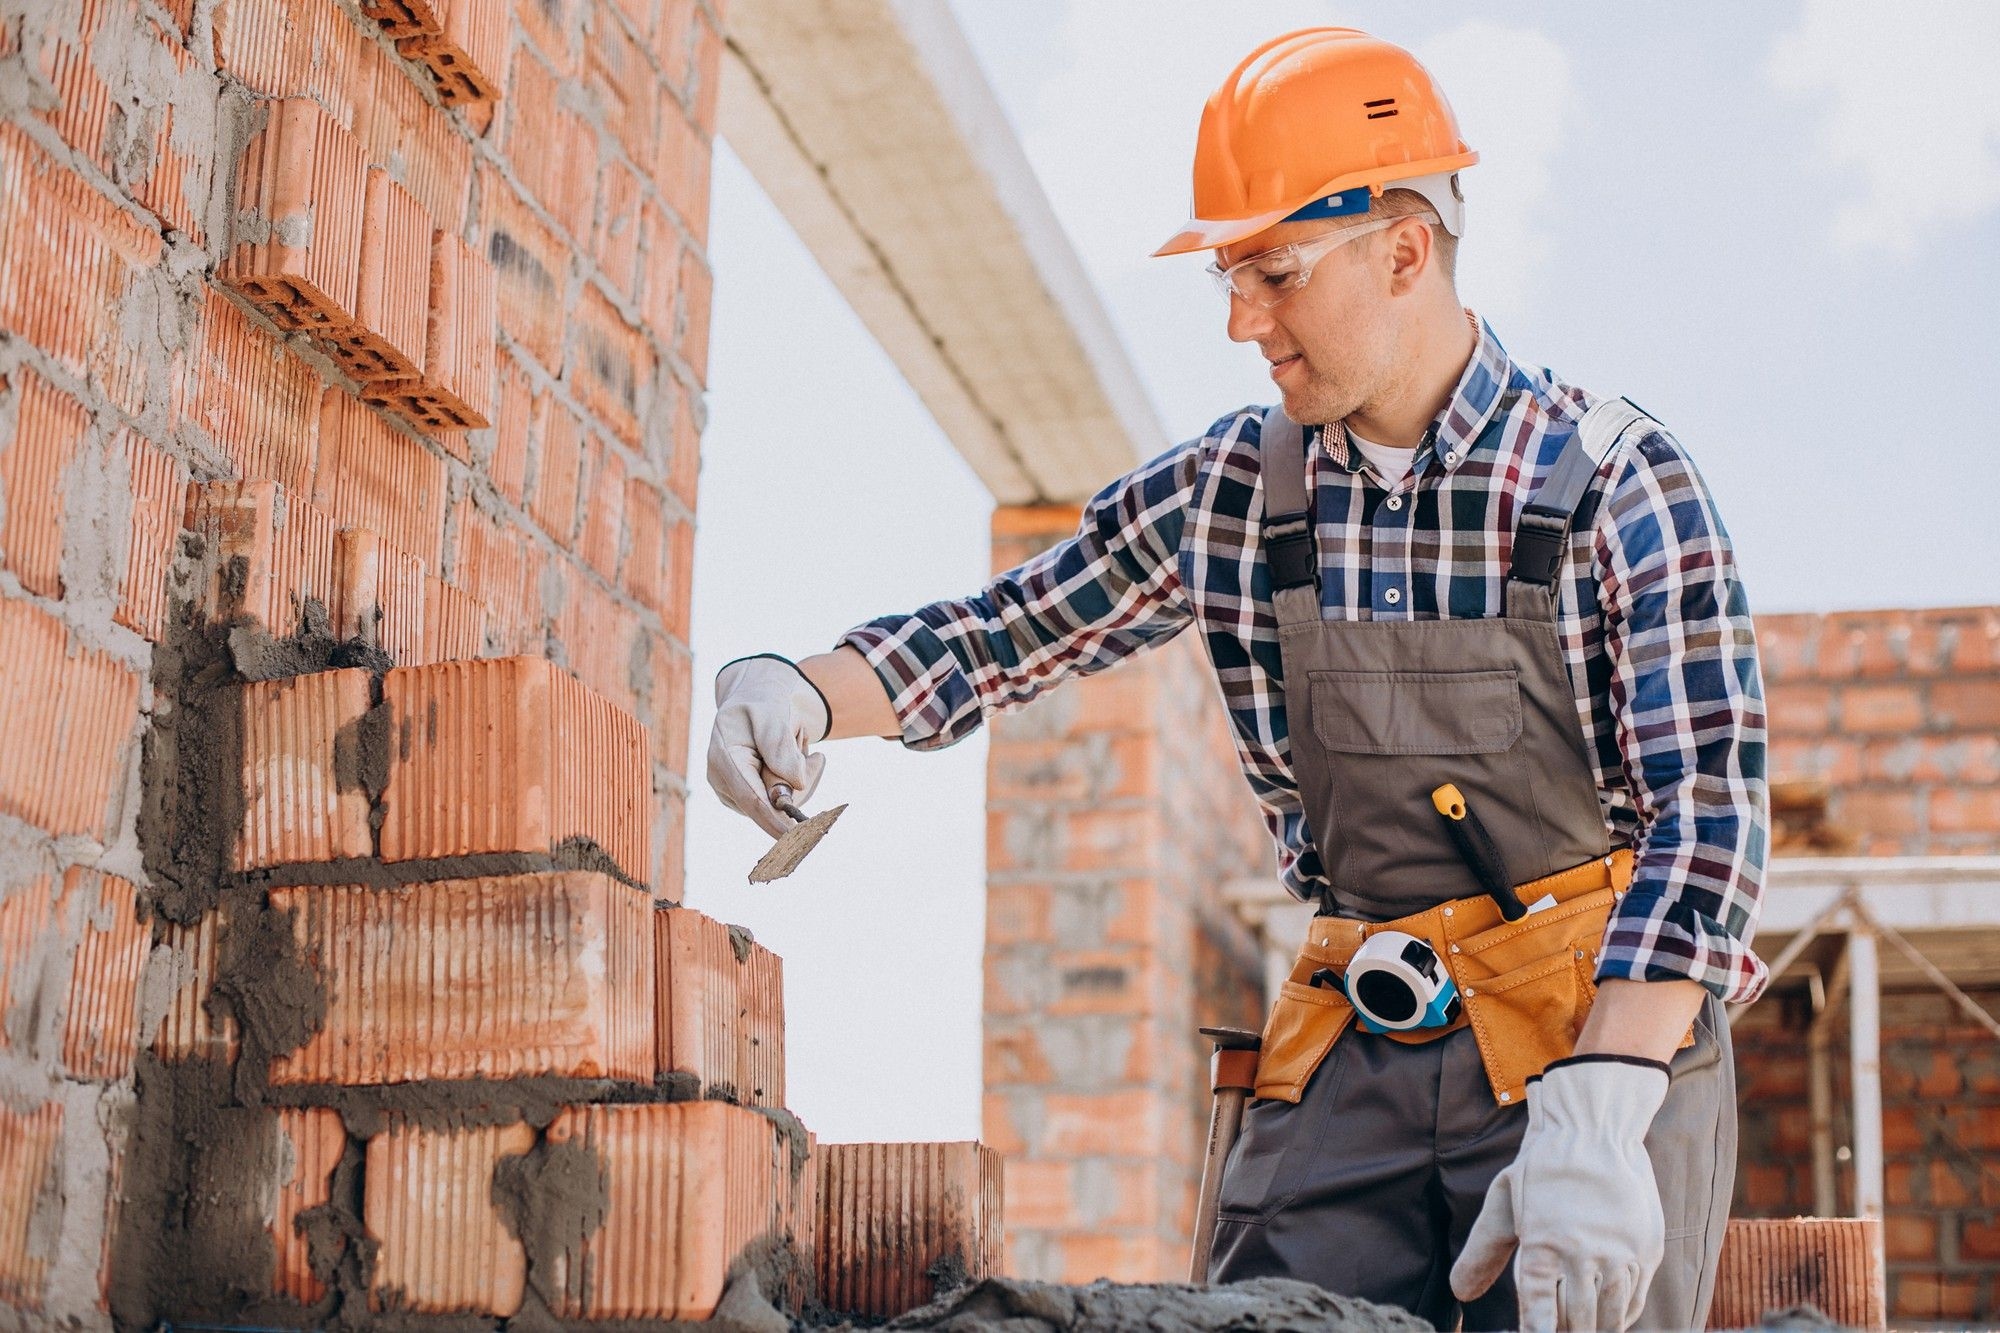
(1402, 416)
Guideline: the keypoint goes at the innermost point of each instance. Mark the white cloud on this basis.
(1911, 111)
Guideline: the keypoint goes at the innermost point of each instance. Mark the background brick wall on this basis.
(1896, 716)
(429, 280)
(1114, 815)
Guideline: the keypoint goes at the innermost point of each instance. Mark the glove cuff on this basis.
(1608, 1095)
(825, 708)
(1608, 1057)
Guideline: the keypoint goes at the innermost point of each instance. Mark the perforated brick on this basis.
(891, 1212)
(456, 390)
(297, 252)
(385, 340)
(468, 59)
(303, 794)
(100, 1017)
(721, 1007)
(444, 1247)
(1831, 1263)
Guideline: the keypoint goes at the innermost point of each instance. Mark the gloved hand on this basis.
(766, 715)
(1579, 1200)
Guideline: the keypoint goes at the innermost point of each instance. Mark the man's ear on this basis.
(1411, 252)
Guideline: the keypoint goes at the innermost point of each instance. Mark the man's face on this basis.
(1331, 344)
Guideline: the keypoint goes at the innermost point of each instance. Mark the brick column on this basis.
(1114, 813)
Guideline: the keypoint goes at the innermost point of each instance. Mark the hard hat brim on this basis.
(1210, 233)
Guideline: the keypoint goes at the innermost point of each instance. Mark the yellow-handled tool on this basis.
(1480, 853)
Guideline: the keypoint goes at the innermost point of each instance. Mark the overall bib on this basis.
(1362, 1166)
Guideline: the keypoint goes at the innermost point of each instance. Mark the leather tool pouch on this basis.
(1527, 985)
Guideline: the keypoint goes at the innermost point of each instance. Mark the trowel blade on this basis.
(789, 850)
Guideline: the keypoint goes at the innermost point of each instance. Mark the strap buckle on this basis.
(1539, 541)
(1288, 548)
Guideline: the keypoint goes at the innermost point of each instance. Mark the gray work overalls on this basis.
(1368, 1185)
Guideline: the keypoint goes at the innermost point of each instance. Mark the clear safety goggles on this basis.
(1276, 275)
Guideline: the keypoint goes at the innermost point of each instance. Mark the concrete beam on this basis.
(873, 130)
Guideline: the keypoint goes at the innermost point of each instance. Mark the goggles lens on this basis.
(1264, 280)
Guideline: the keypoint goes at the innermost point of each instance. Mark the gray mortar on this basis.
(740, 940)
(552, 1198)
(1262, 1305)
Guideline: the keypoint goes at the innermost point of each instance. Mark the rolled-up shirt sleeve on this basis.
(1689, 706)
(1078, 607)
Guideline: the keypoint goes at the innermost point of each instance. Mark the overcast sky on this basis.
(1775, 226)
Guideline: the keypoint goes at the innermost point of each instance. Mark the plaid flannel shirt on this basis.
(1653, 622)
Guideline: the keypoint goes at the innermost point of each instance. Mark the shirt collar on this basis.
(1473, 403)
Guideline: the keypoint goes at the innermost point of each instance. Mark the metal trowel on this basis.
(796, 842)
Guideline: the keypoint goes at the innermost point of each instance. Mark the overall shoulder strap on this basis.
(1288, 519)
(1542, 536)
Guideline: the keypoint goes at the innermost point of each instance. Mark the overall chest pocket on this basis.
(1389, 738)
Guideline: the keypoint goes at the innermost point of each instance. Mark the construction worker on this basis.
(1492, 678)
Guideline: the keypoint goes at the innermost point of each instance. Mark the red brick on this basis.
(531, 265)
(1880, 709)
(611, 364)
(501, 568)
(56, 229)
(599, 636)
(315, 1140)
(1800, 709)
(689, 1188)
(604, 510)
(1106, 1124)
(406, 132)
(385, 340)
(1829, 1263)
(32, 945)
(428, 1203)
(297, 253)
(558, 475)
(683, 476)
(30, 1182)
(372, 475)
(1935, 1296)
(672, 670)
(697, 291)
(553, 152)
(1958, 810)
(48, 427)
(381, 596)
(680, 579)
(660, 272)
(1911, 1236)
(456, 390)
(1877, 811)
(620, 77)
(1013, 1054)
(70, 720)
(614, 240)
(248, 396)
(302, 48)
(190, 1030)
(100, 1018)
(518, 418)
(1978, 1239)
(1966, 705)
(1039, 1194)
(302, 798)
(512, 755)
(468, 59)
(1087, 1257)
(269, 555)
(454, 624)
(646, 561)
(404, 18)
(890, 1211)
(551, 973)
(673, 41)
(80, 111)
(550, 25)
(721, 1017)
(159, 499)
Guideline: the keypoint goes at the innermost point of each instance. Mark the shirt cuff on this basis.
(935, 704)
(1652, 937)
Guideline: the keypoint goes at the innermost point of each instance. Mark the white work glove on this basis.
(1579, 1200)
(766, 715)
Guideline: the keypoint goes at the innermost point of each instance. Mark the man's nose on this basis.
(1248, 323)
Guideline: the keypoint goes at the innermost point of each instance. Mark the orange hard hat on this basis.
(1317, 123)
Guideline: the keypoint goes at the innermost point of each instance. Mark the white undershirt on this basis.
(1391, 463)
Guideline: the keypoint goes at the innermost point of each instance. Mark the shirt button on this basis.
(1451, 459)
(1394, 502)
(1393, 596)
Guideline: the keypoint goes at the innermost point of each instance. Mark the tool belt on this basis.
(1527, 985)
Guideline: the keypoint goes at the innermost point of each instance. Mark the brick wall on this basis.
(1940, 1138)
(1114, 814)
(1895, 716)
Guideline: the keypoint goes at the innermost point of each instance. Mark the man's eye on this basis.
(1277, 279)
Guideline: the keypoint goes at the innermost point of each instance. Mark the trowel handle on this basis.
(781, 798)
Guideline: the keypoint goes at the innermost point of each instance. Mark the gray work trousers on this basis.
(1370, 1183)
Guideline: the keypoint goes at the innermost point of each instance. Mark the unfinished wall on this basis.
(1896, 716)
(1114, 813)
(1940, 1139)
